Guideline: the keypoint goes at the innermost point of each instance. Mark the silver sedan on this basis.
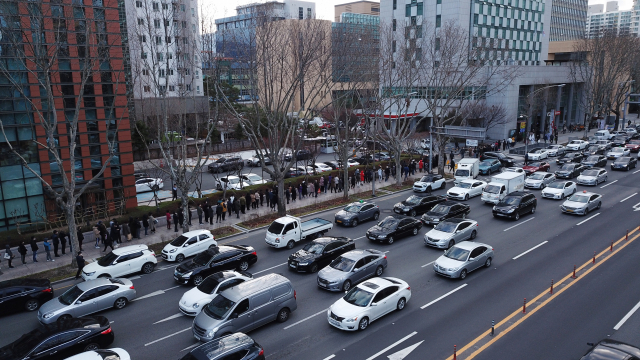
(450, 232)
(463, 258)
(582, 203)
(351, 268)
(86, 298)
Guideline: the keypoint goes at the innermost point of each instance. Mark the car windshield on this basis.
(70, 295)
(388, 223)
(413, 200)
(210, 283)
(314, 248)
(617, 150)
(231, 180)
(590, 173)
(219, 307)
(510, 201)
(568, 167)
(456, 253)
(593, 158)
(552, 147)
(107, 259)
(275, 227)
(352, 208)
(254, 177)
(492, 189)
(556, 185)
(462, 172)
(446, 227)
(426, 179)
(441, 209)
(622, 160)
(575, 142)
(202, 259)
(342, 264)
(358, 297)
(579, 198)
(179, 241)
(539, 151)
(464, 185)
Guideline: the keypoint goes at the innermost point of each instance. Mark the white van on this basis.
(603, 135)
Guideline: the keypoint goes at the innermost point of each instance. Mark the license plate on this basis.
(164, 256)
(371, 237)
(292, 265)
(569, 210)
(338, 221)
(334, 322)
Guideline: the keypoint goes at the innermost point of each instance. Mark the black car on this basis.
(61, 339)
(624, 163)
(24, 294)
(231, 347)
(415, 205)
(293, 172)
(319, 253)
(224, 257)
(515, 204)
(608, 349)
(226, 164)
(569, 171)
(594, 161)
(445, 210)
(505, 160)
(593, 150)
(619, 140)
(572, 157)
(394, 227)
(364, 159)
(302, 154)
(335, 165)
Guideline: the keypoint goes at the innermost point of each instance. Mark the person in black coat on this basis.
(80, 262)
(80, 236)
(205, 210)
(181, 217)
(210, 211)
(219, 212)
(115, 233)
(247, 198)
(261, 197)
(145, 224)
(63, 241)
(34, 248)
(175, 221)
(55, 239)
(23, 252)
(190, 213)
(108, 243)
(199, 211)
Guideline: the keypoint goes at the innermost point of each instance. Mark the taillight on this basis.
(254, 253)
(408, 287)
(261, 352)
(385, 256)
(294, 295)
(131, 287)
(106, 331)
(48, 290)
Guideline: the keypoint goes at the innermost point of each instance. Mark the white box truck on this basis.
(501, 185)
(288, 230)
(468, 168)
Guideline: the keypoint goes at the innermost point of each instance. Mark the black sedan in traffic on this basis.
(61, 339)
(624, 163)
(416, 205)
(593, 150)
(569, 171)
(319, 253)
(24, 294)
(572, 157)
(594, 161)
(394, 227)
(445, 210)
(224, 257)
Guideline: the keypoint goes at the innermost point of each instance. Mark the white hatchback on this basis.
(122, 261)
(108, 354)
(195, 299)
(189, 244)
(368, 302)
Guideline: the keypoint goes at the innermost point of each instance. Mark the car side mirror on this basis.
(356, 269)
(457, 231)
(78, 302)
(374, 304)
(233, 316)
(471, 258)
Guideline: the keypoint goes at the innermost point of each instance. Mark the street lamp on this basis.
(526, 128)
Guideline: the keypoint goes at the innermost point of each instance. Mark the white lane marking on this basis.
(169, 318)
(171, 288)
(111, 322)
(636, 207)
(358, 238)
(614, 181)
(307, 318)
(329, 357)
(168, 336)
(273, 267)
(636, 171)
(425, 265)
(155, 293)
(509, 228)
(391, 346)
(626, 317)
(629, 197)
(584, 221)
(404, 352)
(167, 267)
(135, 277)
(530, 250)
(443, 296)
(191, 347)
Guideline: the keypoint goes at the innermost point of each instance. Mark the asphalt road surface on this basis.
(442, 312)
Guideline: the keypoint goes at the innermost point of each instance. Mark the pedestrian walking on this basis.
(174, 192)
(274, 200)
(311, 188)
(8, 255)
(236, 207)
(175, 221)
(452, 165)
(252, 201)
(242, 204)
(80, 236)
(294, 193)
(80, 261)
(268, 198)
(287, 194)
(336, 182)
(199, 211)
(380, 173)
(361, 177)
(126, 231)
(321, 183)
(47, 249)
(261, 197)
(56, 243)
(138, 226)
(225, 207)
(247, 201)
(63, 241)
(145, 224)
(256, 200)
(526, 158)
(115, 233)
(219, 212)
(152, 223)
(168, 215)
(406, 172)
(108, 243)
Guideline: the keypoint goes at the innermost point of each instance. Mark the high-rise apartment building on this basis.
(357, 7)
(635, 18)
(568, 19)
(613, 21)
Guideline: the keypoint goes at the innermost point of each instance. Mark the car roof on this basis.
(587, 193)
(470, 245)
(357, 254)
(247, 174)
(518, 193)
(603, 350)
(25, 282)
(361, 203)
(196, 232)
(129, 249)
(223, 345)
(471, 181)
(253, 286)
(230, 177)
(450, 203)
(377, 283)
(90, 284)
(456, 220)
(328, 239)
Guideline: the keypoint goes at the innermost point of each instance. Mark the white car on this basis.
(556, 150)
(231, 182)
(122, 261)
(630, 130)
(352, 162)
(102, 354)
(252, 179)
(618, 152)
(189, 244)
(592, 177)
(255, 160)
(538, 154)
(466, 189)
(429, 182)
(368, 302)
(539, 180)
(195, 299)
(514, 169)
(148, 184)
(319, 168)
(559, 190)
(577, 145)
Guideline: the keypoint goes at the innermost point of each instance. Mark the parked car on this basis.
(515, 204)
(188, 244)
(294, 172)
(364, 159)
(539, 180)
(463, 258)
(334, 165)
(368, 302)
(231, 182)
(226, 164)
(577, 145)
(382, 156)
(357, 212)
(318, 168)
(489, 166)
(319, 253)
(197, 298)
(536, 166)
(569, 171)
(450, 232)
(429, 182)
(609, 349)
(351, 268)
(394, 227)
(302, 154)
(538, 154)
(592, 177)
(466, 189)
(574, 157)
(594, 161)
(148, 184)
(618, 152)
(418, 205)
(556, 150)
(582, 203)
(633, 146)
(624, 163)
(445, 210)
(24, 294)
(224, 257)
(81, 334)
(230, 347)
(559, 190)
(103, 354)
(87, 298)
(513, 169)
(251, 179)
(255, 160)
(120, 262)
(504, 159)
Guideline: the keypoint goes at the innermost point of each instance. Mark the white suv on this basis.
(123, 261)
(188, 244)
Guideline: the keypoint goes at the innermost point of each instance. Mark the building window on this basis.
(308, 13)
(437, 43)
(147, 88)
(414, 21)
(160, 56)
(161, 73)
(407, 10)
(156, 23)
(193, 12)
(419, 9)
(138, 4)
(143, 38)
(145, 72)
(438, 20)
(393, 24)
(393, 46)
(419, 32)
(300, 13)
(155, 6)
(172, 88)
(168, 39)
(140, 21)
(188, 87)
(183, 7)
(158, 40)
(184, 24)
(144, 56)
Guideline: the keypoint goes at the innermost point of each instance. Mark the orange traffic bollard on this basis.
(574, 272)
(524, 306)
(551, 291)
(454, 352)
(594, 257)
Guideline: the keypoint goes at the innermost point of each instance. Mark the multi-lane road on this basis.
(442, 312)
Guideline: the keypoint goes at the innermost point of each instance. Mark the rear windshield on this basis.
(179, 241)
(441, 209)
(276, 227)
(510, 200)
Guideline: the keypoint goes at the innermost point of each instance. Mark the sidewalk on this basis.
(162, 234)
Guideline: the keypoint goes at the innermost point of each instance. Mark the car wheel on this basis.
(533, 210)
(466, 197)
(290, 244)
(244, 265)
(401, 304)
(180, 258)
(444, 184)
(429, 189)
(473, 235)
(31, 305)
(390, 240)
(413, 213)
(219, 187)
(148, 268)
(415, 231)
(543, 186)
(64, 317)
(487, 263)
(283, 315)
(314, 268)
(197, 280)
(211, 247)
(599, 205)
(451, 243)
(92, 347)
(120, 303)
(463, 274)
(364, 322)
(346, 285)
(354, 223)
(376, 216)
(517, 217)
(379, 270)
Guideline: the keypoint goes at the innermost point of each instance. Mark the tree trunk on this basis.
(184, 204)
(69, 210)
(345, 181)
(282, 201)
(398, 167)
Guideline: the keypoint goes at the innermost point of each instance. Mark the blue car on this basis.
(489, 166)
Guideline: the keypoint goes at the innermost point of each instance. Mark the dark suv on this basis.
(515, 204)
(504, 159)
(233, 346)
(226, 164)
(27, 294)
(300, 155)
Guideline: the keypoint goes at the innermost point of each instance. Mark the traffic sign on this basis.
(472, 142)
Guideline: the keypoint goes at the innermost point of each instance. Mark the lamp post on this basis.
(526, 128)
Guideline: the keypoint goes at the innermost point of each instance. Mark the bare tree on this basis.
(480, 114)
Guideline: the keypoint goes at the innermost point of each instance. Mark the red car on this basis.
(633, 145)
(536, 166)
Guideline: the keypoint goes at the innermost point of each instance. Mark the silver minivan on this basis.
(245, 307)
